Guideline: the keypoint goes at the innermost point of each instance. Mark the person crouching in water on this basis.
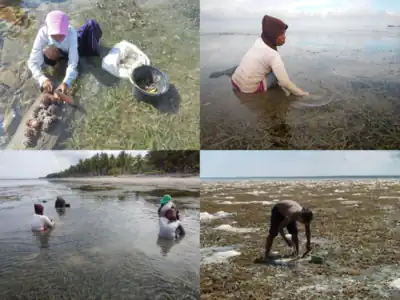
(56, 40)
(262, 67)
(41, 222)
(170, 225)
(166, 199)
(61, 203)
(286, 213)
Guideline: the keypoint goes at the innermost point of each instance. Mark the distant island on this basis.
(154, 163)
(393, 25)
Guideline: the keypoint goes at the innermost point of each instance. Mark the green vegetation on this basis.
(154, 162)
(169, 34)
(172, 193)
(92, 188)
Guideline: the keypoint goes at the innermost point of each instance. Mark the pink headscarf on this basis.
(57, 23)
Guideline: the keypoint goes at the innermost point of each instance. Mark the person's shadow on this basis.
(270, 110)
(92, 65)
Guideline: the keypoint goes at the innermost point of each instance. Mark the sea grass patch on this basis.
(360, 239)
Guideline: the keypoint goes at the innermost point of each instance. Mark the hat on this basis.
(57, 23)
(165, 199)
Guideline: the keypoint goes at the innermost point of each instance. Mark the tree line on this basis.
(154, 162)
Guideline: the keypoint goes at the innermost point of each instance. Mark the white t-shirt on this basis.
(68, 45)
(40, 222)
(167, 230)
(256, 64)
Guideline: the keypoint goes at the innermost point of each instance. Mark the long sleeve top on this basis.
(68, 45)
(256, 64)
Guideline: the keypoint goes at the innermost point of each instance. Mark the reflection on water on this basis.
(353, 81)
(101, 248)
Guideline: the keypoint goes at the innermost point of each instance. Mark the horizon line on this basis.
(310, 176)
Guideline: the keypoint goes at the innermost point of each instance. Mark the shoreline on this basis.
(190, 182)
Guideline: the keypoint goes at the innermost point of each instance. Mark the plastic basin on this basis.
(145, 76)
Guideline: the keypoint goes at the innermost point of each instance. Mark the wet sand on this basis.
(149, 181)
(353, 78)
(355, 227)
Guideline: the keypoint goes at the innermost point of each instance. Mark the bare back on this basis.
(289, 208)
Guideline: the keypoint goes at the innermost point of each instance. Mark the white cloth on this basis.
(165, 208)
(256, 64)
(68, 45)
(40, 222)
(167, 229)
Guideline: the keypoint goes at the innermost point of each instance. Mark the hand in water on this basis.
(303, 94)
(47, 86)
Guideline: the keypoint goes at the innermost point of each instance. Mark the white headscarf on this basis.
(165, 208)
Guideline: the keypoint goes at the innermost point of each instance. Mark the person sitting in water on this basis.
(285, 214)
(40, 222)
(166, 199)
(262, 67)
(58, 40)
(61, 203)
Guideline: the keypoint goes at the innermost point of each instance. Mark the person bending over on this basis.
(287, 213)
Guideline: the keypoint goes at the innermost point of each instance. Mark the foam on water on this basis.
(217, 255)
(229, 228)
(205, 216)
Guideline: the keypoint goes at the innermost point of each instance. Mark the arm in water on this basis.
(283, 78)
(181, 232)
(47, 222)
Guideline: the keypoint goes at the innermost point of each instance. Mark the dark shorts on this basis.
(50, 62)
(276, 220)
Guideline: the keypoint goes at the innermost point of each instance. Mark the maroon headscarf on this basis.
(38, 209)
(272, 28)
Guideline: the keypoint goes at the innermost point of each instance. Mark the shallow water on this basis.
(101, 248)
(353, 218)
(95, 85)
(352, 77)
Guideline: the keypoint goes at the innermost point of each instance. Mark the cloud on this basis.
(244, 9)
(34, 164)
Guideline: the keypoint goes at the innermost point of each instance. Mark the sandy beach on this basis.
(178, 183)
(355, 228)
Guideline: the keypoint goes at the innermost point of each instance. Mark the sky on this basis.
(298, 163)
(354, 13)
(33, 164)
